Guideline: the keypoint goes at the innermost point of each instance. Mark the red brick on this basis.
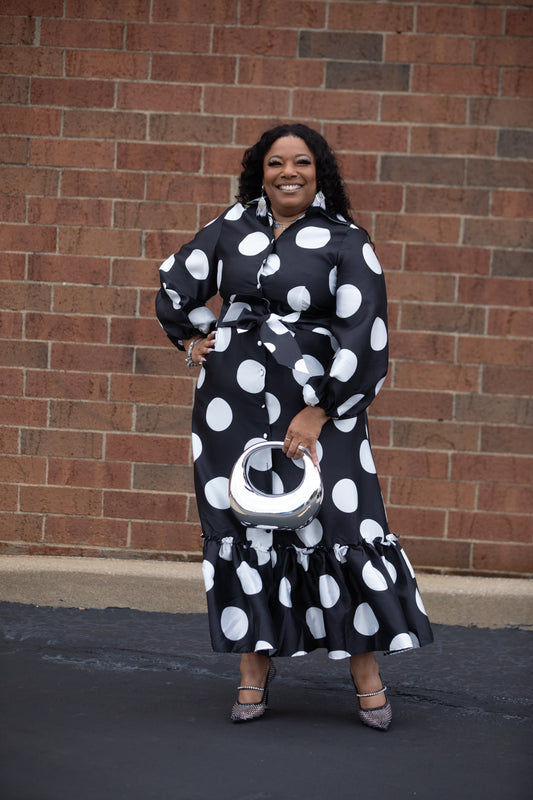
(416, 404)
(222, 160)
(491, 408)
(508, 498)
(507, 380)
(443, 377)
(79, 385)
(74, 414)
(127, 272)
(358, 167)
(447, 200)
(81, 33)
(254, 41)
(90, 474)
(163, 478)
(51, 211)
(63, 152)
(12, 209)
(102, 64)
(170, 216)
(18, 411)
(448, 140)
(21, 469)
(147, 449)
(32, 121)
(486, 468)
(27, 60)
(386, 138)
(519, 22)
(310, 14)
(490, 527)
(511, 233)
(12, 381)
(158, 245)
(188, 68)
(21, 527)
(67, 269)
(427, 553)
(11, 325)
(456, 318)
(104, 124)
(199, 11)
(9, 497)
(100, 241)
(433, 493)
(168, 37)
(9, 439)
(13, 150)
(508, 203)
(144, 389)
(240, 100)
(414, 463)
(14, 267)
(161, 419)
(495, 291)
(423, 169)
(476, 21)
(377, 17)
(422, 346)
(500, 111)
(191, 128)
(14, 89)
(368, 76)
(26, 238)
(504, 52)
(137, 332)
(143, 505)
(26, 180)
(64, 444)
(517, 83)
(80, 531)
(503, 558)
(407, 286)
(19, 30)
(91, 357)
(485, 350)
(401, 47)
(188, 188)
(61, 500)
(102, 300)
(510, 322)
(423, 108)
(507, 439)
(435, 435)
(162, 157)
(164, 536)
(416, 521)
(115, 184)
(25, 354)
(440, 79)
(417, 228)
(158, 97)
(381, 197)
(281, 72)
(440, 258)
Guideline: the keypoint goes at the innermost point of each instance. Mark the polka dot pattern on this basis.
(303, 321)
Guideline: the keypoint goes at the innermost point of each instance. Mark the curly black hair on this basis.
(327, 170)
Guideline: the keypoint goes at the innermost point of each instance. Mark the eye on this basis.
(274, 163)
(305, 162)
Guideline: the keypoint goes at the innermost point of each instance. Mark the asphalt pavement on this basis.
(122, 704)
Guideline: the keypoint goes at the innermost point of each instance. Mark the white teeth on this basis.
(289, 187)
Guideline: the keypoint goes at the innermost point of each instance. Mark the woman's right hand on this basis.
(201, 348)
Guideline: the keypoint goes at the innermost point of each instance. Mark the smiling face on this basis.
(289, 177)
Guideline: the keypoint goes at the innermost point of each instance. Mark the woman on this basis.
(297, 354)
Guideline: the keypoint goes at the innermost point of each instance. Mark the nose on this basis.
(288, 169)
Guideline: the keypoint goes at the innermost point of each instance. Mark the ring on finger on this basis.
(300, 447)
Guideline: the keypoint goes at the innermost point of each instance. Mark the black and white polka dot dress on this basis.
(303, 322)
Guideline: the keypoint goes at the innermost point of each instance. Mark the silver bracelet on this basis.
(188, 358)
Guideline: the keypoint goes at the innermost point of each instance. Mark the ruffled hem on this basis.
(286, 600)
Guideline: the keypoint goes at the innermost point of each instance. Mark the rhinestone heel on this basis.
(379, 718)
(246, 712)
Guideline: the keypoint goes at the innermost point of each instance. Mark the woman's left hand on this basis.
(303, 432)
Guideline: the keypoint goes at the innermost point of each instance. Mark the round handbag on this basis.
(289, 511)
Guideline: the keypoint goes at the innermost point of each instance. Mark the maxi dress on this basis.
(303, 322)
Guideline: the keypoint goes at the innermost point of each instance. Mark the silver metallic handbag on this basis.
(289, 511)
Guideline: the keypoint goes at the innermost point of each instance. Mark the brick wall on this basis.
(124, 123)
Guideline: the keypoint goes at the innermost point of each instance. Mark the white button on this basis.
(265, 436)
(259, 343)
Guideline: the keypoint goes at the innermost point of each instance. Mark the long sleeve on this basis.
(359, 331)
(188, 280)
